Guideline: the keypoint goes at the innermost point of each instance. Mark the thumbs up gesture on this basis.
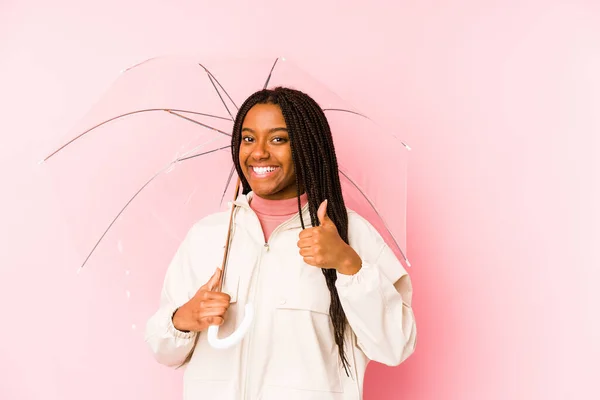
(323, 247)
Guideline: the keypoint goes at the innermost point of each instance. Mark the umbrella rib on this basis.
(122, 116)
(203, 154)
(211, 76)
(227, 184)
(378, 214)
(221, 86)
(270, 73)
(198, 122)
(219, 93)
(364, 116)
(224, 91)
(213, 79)
(138, 64)
(348, 111)
(138, 192)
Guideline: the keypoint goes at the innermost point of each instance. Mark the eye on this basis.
(247, 139)
(280, 139)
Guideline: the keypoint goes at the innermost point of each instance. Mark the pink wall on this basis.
(500, 102)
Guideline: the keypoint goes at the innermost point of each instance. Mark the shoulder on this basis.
(357, 223)
(370, 245)
(204, 243)
(361, 232)
(208, 227)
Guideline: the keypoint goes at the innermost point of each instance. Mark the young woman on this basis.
(329, 295)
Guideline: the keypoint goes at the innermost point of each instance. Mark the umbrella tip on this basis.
(42, 161)
(407, 146)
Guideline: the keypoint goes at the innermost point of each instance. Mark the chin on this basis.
(264, 193)
(267, 192)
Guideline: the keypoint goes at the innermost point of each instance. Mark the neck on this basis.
(282, 207)
(272, 213)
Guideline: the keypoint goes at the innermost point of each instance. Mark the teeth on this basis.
(263, 170)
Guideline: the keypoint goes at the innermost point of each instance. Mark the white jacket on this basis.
(290, 351)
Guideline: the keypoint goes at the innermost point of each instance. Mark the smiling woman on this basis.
(265, 155)
(329, 294)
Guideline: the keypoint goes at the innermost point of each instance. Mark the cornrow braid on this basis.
(316, 169)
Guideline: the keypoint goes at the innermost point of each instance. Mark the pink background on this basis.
(499, 101)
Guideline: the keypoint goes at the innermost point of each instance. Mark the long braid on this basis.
(316, 168)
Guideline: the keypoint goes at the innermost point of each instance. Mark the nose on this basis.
(259, 151)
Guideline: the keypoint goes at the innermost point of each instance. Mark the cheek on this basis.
(242, 158)
(291, 170)
(286, 156)
(291, 174)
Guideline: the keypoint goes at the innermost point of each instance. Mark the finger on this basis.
(310, 261)
(306, 233)
(210, 283)
(306, 252)
(220, 296)
(213, 320)
(214, 281)
(213, 303)
(322, 213)
(214, 296)
(213, 312)
(302, 243)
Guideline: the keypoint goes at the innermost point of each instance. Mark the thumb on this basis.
(214, 280)
(322, 213)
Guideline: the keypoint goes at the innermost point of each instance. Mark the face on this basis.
(266, 155)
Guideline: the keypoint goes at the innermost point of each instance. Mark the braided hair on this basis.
(316, 169)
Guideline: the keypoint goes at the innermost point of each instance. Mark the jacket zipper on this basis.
(266, 248)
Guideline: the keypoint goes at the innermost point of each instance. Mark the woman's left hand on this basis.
(322, 246)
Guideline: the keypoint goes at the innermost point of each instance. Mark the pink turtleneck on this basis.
(272, 213)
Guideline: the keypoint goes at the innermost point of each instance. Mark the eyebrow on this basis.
(272, 130)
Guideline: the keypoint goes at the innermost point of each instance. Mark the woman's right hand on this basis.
(204, 309)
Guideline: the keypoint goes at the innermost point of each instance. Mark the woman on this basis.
(329, 295)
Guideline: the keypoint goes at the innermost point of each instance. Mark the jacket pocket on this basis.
(304, 355)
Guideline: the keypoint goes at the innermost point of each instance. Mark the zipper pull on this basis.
(266, 246)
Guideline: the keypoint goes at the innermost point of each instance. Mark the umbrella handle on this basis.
(235, 337)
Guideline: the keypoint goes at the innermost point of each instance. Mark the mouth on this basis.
(262, 172)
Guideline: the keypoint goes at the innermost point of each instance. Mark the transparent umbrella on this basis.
(159, 140)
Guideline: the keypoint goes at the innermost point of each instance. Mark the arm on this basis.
(170, 346)
(377, 300)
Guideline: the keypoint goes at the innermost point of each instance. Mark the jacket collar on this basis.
(243, 201)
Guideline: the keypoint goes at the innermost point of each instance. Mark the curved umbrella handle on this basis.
(235, 337)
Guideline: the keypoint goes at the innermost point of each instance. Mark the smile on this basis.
(262, 172)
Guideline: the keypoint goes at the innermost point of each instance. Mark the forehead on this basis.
(264, 116)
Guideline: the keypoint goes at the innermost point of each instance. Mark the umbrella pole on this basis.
(224, 265)
(228, 242)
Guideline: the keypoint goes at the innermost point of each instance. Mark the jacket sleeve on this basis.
(168, 345)
(377, 300)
